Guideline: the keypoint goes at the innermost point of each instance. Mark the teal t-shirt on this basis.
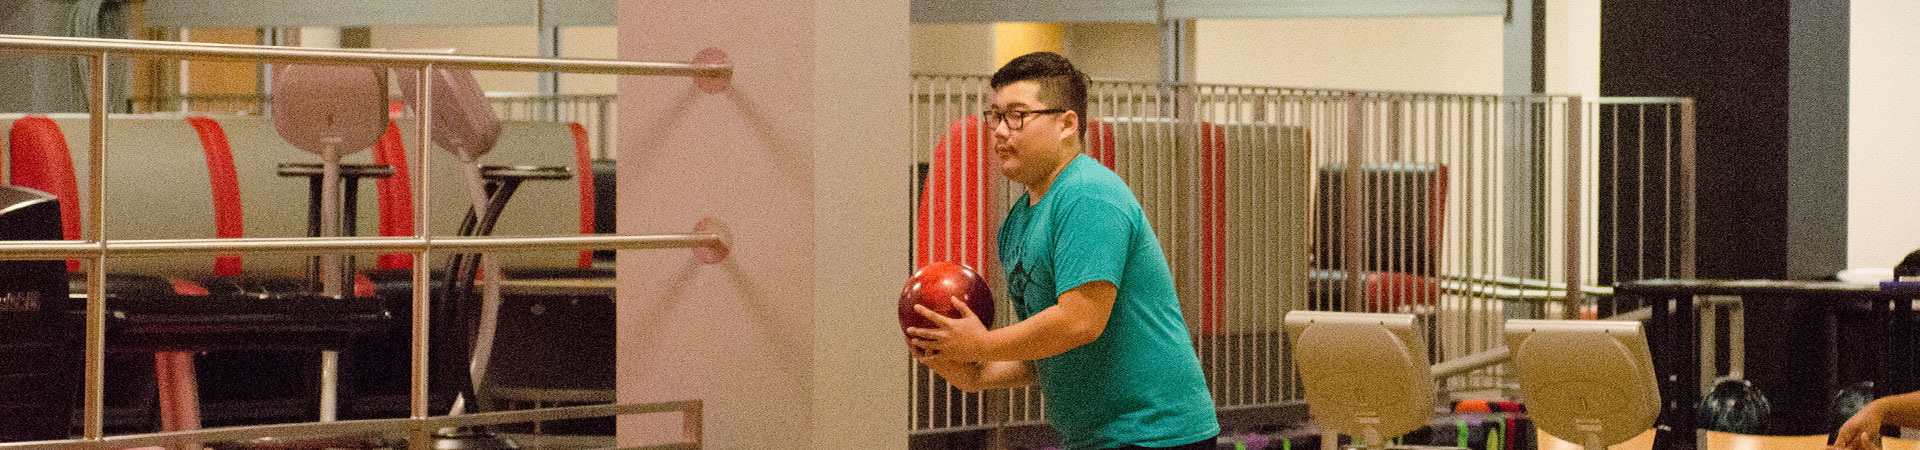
(1139, 383)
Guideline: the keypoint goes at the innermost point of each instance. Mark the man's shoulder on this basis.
(1095, 181)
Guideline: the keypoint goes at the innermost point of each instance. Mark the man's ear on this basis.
(1071, 120)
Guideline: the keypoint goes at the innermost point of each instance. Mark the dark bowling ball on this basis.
(936, 285)
(1846, 402)
(1735, 406)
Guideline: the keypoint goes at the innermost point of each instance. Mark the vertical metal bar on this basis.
(1462, 144)
(1493, 141)
(1207, 109)
(1640, 191)
(913, 223)
(602, 126)
(1350, 226)
(960, 181)
(1667, 191)
(1613, 112)
(1457, 142)
(1687, 203)
(979, 193)
(945, 224)
(1273, 223)
(1572, 171)
(1706, 356)
(914, 371)
(420, 436)
(1737, 336)
(1259, 272)
(1163, 202)
(93, 426)
(1666, 205)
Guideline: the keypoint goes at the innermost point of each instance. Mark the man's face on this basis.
(1031, 154)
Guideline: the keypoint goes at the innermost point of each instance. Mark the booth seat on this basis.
(173, 177)
(159, 187)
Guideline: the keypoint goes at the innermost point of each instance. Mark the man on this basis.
(1100, 327)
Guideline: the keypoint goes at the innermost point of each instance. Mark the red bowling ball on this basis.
(936, 285)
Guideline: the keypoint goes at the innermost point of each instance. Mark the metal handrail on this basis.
(268, 53)
(691, 412)
(1511, 287)
(38, 250)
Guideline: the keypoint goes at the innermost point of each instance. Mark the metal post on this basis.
(419, 436)
(96, 334)
(1573, 299)
(549, 48)
(1351, 253)
(1687, 198)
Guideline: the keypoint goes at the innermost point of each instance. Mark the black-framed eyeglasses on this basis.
(1015, 120)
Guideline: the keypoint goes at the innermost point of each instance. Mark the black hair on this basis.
(1061, 85)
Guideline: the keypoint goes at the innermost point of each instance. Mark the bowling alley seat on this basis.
(272, 209)
(1403, 213)
(179, 305)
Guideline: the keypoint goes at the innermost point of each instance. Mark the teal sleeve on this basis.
(1090, 244)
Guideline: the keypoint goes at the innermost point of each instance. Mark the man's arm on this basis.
(1862, 431)
(1078, 318)
(976, 377)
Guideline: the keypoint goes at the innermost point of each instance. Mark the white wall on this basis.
(1124, 51)
(575, 42)
(591, 43)
(1573, 47)
(952, 49)
(499, 41)
(1427, 54)
(1883, 218)
(1120, 51)
(793, 342)
(1430, 54)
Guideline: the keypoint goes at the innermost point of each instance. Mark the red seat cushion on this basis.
(954, 200)
(39, 160)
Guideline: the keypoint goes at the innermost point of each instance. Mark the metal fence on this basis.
(96, 249)
(1464, 209)
(594, 112)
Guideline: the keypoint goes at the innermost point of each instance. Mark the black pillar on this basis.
(1769, 79)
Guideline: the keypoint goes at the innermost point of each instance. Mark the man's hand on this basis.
(961, 339)
(1861, 432)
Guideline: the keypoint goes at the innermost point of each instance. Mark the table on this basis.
(1792, 326)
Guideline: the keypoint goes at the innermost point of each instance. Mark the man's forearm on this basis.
(1076, 319)
(975, 377)
(1900, 410)
(1051, 332)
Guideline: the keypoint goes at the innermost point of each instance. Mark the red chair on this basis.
(955, 200)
